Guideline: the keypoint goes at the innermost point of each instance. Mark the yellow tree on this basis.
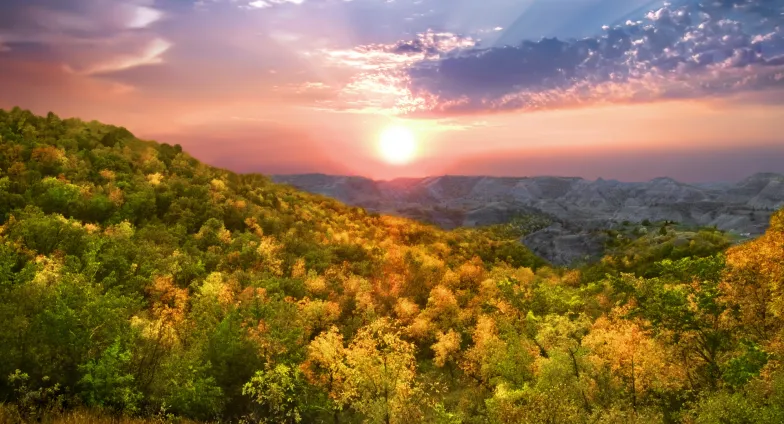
(381, 368)
(637, 363)
(375, 375)
(446, 348)
(316, 315)
(480, 360)
(561, 354)
(754, 282)
(442, 307)
(325, 364)
(164, 329)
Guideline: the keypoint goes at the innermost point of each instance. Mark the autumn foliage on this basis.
(138, 283)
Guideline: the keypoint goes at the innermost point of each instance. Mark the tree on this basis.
(753, 284)
(685, 306)
(134, 278)
(278, 392)
(375, 374)
(639, 364)
(108, 383)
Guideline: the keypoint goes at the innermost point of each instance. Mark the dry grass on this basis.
(8, 415)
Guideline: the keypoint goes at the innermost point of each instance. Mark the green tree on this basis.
(279, 394)
(108, 382)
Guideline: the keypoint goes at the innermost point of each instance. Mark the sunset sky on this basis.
(626, 89)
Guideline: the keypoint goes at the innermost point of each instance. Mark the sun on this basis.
(397, 145)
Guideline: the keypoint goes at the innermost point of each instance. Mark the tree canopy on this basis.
(135, 279)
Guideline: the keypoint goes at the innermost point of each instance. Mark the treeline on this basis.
(136, 281)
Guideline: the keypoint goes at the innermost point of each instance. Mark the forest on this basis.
(138, 284)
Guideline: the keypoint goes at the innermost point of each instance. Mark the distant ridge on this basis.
(568, 198)
(578, 205)
(326, 176)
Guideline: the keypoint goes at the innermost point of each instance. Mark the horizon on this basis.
(391, 211)
(522, 177)
(628, 90)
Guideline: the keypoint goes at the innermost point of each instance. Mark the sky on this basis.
(624, 89)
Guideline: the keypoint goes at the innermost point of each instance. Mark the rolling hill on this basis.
(576, 207)
(137, 283)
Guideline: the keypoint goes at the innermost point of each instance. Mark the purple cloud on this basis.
(84, 36)
(686, 51)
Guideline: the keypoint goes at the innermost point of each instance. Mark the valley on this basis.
(578, 209)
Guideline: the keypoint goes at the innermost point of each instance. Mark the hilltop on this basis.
(138, 282)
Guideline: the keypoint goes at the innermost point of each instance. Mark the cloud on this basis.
(383, 85)
(674, 52)
(263, 4)
(221, 56)
(138, 52)
(83, 36)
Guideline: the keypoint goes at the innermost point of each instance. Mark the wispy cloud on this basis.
(382, 84)
(139, 54)
(263, 4)
(84, 36)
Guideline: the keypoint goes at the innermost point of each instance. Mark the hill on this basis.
(136, 281)
(577, 208)
(455, 201)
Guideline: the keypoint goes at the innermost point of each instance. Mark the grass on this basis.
(10, 415)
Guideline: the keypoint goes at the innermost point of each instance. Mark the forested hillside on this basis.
(137, 282)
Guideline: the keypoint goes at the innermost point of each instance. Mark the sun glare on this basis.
(397, 145)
